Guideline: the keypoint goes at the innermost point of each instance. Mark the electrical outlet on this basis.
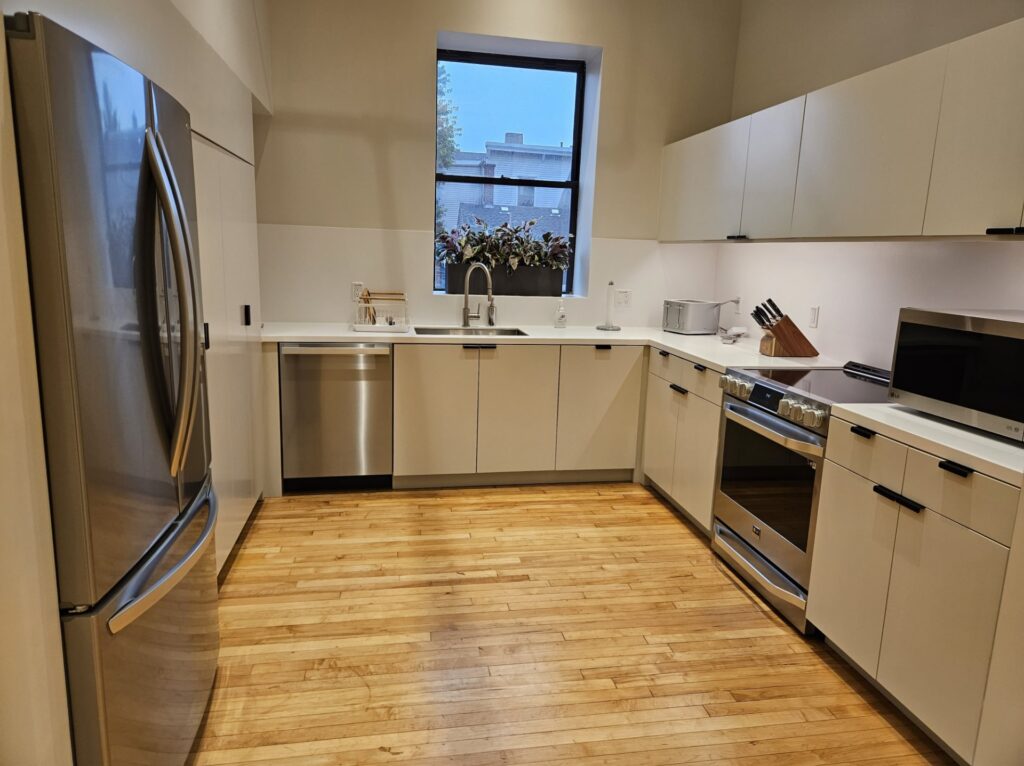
(815, 311)
(357, 290)
(623, 297)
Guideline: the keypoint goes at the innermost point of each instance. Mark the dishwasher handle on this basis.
(336, 350)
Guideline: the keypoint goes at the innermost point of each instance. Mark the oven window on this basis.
(773, 483)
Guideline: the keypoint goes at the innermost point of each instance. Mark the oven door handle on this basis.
(737, 559)
(801, 446)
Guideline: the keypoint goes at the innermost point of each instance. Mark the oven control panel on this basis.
(794, 409)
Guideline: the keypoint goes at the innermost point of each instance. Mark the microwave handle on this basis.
(745, 416)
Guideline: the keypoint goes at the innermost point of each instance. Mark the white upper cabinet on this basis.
(772, 158)
(702, 184)
(978, 172)
(866, 153)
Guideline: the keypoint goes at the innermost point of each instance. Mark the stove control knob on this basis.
(723, 382)
(813, 417)
(744, 389)
(784, 407)
(796, 412)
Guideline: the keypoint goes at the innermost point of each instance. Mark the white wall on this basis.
(789, 47)
(861, 286)
(306, 271)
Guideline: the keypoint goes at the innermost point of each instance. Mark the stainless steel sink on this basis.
(486, 331)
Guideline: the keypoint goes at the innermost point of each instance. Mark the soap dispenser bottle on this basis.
(560, 316)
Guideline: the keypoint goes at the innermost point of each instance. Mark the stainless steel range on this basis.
(775, 429)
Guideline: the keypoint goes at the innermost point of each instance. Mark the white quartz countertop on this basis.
(990, 455)
(702, 349)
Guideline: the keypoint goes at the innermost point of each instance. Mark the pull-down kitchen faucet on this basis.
(492, 310)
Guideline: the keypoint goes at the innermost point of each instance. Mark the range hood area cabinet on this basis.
(932, 145)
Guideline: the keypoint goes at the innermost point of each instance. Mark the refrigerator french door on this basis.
(109, 204)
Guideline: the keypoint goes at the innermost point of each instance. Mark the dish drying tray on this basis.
(381, 312)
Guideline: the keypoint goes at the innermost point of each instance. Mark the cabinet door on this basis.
(702, 184)
(660, 417)
(518, 408)
(978, 171)
(940, 622)
(866, 153)
(853, 548)
(693, 478)
(598, 407)
(771, 170)
(435, 409)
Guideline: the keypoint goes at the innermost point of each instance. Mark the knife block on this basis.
(786, 339)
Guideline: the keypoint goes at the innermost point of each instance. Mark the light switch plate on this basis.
(815, 311)
(623, 297)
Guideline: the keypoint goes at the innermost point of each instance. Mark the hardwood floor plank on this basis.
(555, 625)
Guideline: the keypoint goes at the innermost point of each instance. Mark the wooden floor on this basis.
(543, 625)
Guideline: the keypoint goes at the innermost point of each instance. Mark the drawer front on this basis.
(979, 502)
(864, 452)
(702, 381)
(695, 378)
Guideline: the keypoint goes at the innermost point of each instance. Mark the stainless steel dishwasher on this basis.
(336, 415)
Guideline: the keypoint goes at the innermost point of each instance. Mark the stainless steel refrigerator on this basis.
(105, 159)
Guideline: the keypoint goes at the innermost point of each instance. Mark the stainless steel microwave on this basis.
(966, 366)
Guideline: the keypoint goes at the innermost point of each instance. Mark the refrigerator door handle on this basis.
(182, 414)
(143, 602)
(197, 339)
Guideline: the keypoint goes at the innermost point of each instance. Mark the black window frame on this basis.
(573, 182)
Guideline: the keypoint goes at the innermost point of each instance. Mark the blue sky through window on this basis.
(494, 100)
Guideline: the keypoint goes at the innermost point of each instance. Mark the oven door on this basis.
(769, 475)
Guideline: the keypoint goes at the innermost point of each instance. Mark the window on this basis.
(508, 144)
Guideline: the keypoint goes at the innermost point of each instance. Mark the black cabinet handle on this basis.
(479, 346)
(1019, 230)
(678, 389)
(736, 236)
(663, 353)
(896, 497)
(247, 315)
(206, 335)
(700, 368)
(996, 230)
(866, 433)
(603, 347)
(960, 470)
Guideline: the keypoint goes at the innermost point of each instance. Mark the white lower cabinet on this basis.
(940, 622)
(696, 457)
(660, 418)
(435, 391)
(853, 546)
(518, 408)
(598, 407)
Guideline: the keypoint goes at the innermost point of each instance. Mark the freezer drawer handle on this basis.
(334, 351)
(142, 603)
(896, 497)
(960, 470)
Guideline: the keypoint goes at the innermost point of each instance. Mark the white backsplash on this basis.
(861, 286)
(306, 274)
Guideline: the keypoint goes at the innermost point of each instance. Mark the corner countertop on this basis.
(701, 349)
(990, 455)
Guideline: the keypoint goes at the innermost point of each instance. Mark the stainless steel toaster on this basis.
(689, 316)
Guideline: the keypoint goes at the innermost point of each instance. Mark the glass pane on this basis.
(504, 121)
(477, 205)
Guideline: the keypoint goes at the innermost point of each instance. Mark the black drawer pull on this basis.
(479, 346)
(678, 389)
(247, 315)
(897, 498)
(700, 368)
(736, 236)
(206, 335)
(996, 230)
(866, 433)
(603, 347)
(663, 353)
(960, 470)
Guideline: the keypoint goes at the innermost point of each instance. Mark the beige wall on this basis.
(351, 141)
(790, 47)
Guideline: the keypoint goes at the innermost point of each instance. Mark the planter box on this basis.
(526, 280)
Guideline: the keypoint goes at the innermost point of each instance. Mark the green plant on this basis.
(505, 245)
